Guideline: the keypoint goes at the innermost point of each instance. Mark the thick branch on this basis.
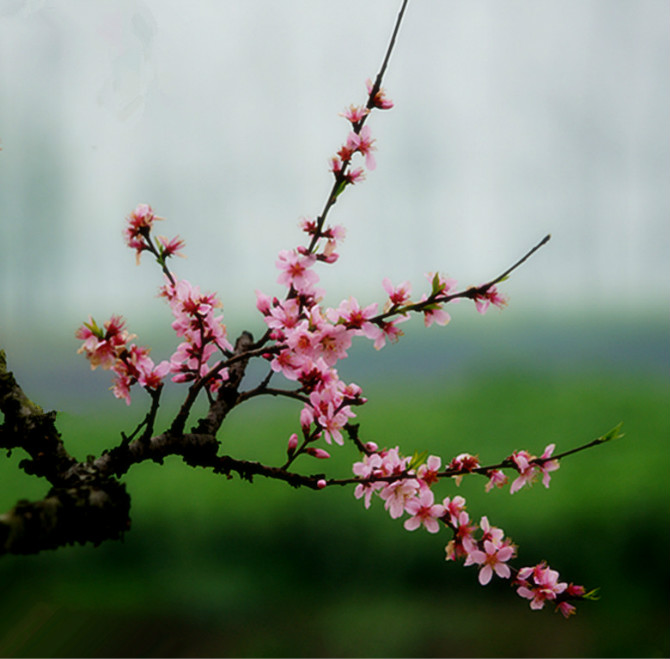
(228, 394)
(88, 513)
(28, 427)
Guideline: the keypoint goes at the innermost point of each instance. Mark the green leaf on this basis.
(93, 326)
(437, 286)
(340, 188)
(615, 433)
(417, 459)
(592, 595)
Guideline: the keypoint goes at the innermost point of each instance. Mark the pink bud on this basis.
(318, 453)
(306, 418)
(321, 484)
(292, 444)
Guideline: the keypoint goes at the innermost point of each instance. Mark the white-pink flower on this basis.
(397, 494)
(379, 100)
(454, 507)
(363, 143)
(365, 469)
(522, 462)
(296, 271)
(390, 330)
(331, 343)
(427, 472)
(550, 465)
(497, 478)
(424, 512)
(434, 313)
(399, 294)
(528, 468)
(544, 585)
(354, 113)
(490, 296)
(492, 559)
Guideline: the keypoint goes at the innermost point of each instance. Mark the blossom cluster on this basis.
(308, 344)
(203, 333)
(308, 339)
(108, 347)
(359, 140)
(404, 484)
(540, 584)
(304, 343)
(139, 225)
(196, 322)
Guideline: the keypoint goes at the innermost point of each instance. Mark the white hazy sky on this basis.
(513, 119)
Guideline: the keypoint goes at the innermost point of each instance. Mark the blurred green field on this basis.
(216, 567)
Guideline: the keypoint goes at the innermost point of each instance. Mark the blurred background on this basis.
(512, 120)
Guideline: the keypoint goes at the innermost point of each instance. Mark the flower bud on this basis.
(292, 444)
(318, 453)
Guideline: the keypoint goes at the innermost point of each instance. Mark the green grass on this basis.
(216, 567)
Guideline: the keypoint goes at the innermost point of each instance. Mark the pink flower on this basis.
(331, 342)
(288, 364)
(434, 313)
(363, 143)
(139, 224)
(135, 365)
(492, 559)
(365, 469)
(492, 533)
(522, 463)
(355, 175)
(170, 247)
(397, 295)
(301, 340)
(333, 423)
(330, 412)
(490, 296)
(528, 468)
(463, 463)
(454, 507)
(121, 386)
(317, 375)
(548, 466)
(440, 285)
(154, 378)
(102, 346)
(427, 472)
(397, 494)
(424, 512)
(284, 315)
(355, 318)
(463, 542)
(544, 586)
(496, 479)
(296, 271)
(566, 609)
(390, 331)
(379, 100)
(392, 463)
(354, 113)
(336, 165)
